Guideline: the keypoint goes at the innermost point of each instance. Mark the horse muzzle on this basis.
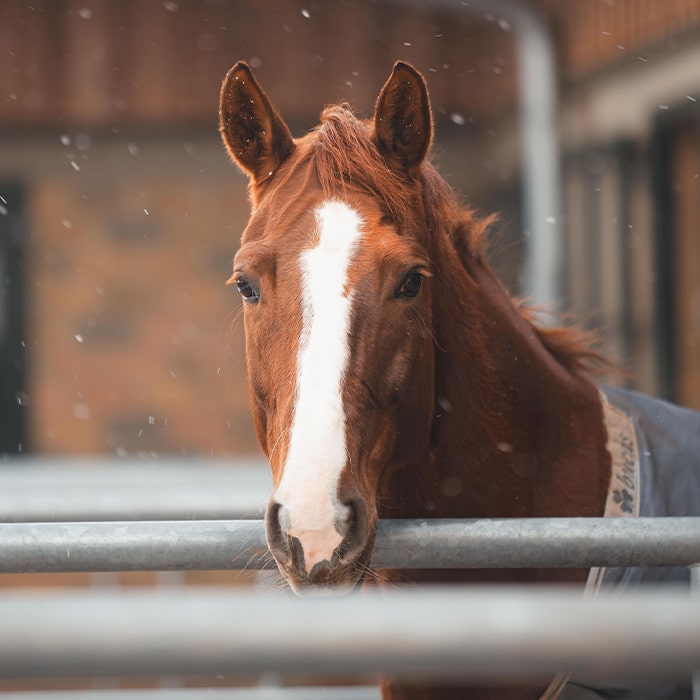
(324, 559)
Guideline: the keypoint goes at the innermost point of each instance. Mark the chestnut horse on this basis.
(390, 374)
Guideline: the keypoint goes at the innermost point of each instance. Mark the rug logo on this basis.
(625, 474)
(623, 493)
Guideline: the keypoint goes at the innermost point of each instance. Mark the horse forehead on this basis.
(349, 228)
(339, 226)
(332, 226)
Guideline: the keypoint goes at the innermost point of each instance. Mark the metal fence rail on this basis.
(474, 634)
(69, 489)
(240, 544)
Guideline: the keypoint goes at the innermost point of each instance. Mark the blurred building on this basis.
(120, 211)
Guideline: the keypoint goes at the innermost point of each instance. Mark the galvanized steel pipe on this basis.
(37, 489)
(472, 633)
(401, 544)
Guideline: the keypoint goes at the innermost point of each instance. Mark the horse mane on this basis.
(573, 347)
(341, 148)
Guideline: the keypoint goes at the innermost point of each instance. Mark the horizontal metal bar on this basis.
(465, 633)
(132, 546)
(69, 489)
(538, 542)
(265, 692)
(401, 544)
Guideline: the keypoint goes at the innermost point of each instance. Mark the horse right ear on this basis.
(255, 135)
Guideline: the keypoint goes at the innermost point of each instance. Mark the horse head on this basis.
(335, 274)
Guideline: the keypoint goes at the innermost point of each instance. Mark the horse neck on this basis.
(515, 434)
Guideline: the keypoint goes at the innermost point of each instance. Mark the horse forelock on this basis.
(339, 158)
(344, 153)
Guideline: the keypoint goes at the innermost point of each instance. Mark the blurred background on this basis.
(120, 212)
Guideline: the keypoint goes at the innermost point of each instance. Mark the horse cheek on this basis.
(257, 397)
(261, 383)
(415, 408)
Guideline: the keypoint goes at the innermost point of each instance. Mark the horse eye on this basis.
(411, 285)
(246, 291)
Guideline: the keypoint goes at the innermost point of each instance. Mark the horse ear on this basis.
(255, 135)
(402, 123)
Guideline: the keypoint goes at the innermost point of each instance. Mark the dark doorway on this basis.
(13, 398)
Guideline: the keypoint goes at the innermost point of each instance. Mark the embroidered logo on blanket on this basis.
(623, 492)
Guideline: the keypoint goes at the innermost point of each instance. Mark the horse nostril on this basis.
(356, 529)
(275, 531)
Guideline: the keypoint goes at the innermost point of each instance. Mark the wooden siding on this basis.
(103, 62)
(599, 34)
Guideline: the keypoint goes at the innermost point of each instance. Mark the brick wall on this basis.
(133, 341)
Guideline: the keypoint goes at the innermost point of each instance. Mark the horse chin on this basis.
(324, 580)
(313, 590)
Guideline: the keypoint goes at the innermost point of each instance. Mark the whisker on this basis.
(234, 318)
(426, 327)
(256, 559)
(369, 573)
(279, 437)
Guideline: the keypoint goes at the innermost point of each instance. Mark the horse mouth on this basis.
(329, 561)
(334, 578)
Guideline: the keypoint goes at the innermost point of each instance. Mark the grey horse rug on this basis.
(655, 449)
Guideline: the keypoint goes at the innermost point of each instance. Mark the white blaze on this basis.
(317, 447)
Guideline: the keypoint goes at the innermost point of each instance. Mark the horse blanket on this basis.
(655, 449)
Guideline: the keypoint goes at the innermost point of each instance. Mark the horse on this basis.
(390, 373)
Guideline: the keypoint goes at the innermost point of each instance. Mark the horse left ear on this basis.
(403, 126)
(255, 135)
